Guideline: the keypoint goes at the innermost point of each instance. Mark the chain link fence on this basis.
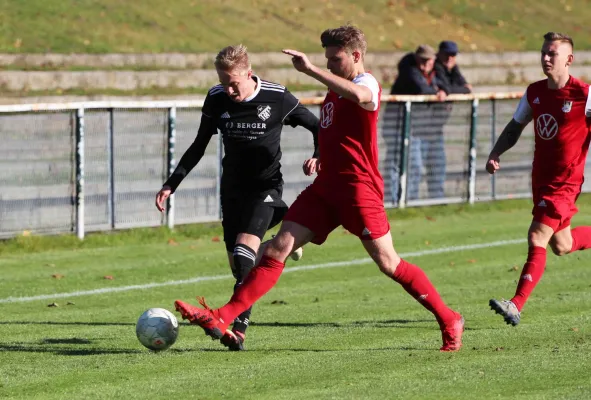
(97, 166)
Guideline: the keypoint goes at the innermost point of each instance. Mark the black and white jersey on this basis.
(251, 133)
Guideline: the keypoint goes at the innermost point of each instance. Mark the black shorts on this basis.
(250, 212)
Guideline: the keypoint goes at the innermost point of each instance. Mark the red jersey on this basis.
(348, 140)
(562, 131)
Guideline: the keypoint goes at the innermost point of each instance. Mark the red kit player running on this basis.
(348, 191)
(560, 107)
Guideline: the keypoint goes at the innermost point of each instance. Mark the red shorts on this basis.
(357, 207)
(555, 208)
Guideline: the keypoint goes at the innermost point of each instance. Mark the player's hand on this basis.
(492, 165)
(311, 166)
(300, 60)
(161, 197)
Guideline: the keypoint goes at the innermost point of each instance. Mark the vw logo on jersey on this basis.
(326, 115)
(264, 112)
(547, 126)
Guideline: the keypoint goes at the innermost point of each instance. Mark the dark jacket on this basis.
(450, 81)
(411, 80)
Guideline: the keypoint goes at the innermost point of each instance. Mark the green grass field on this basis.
(110, 26)
(341, 332)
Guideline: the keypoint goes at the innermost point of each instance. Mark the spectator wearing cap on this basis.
(447, 71)
(416, 76)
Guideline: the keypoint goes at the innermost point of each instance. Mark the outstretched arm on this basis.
(188, 161)
(343, 87)
(301, 116)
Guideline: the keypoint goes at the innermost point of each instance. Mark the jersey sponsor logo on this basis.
(537, 100)
(566, 107)
(250, 125)
(547, 126)
(542, 204)
(268, 199)
(326, 115)
(225, 115)
(264, 112)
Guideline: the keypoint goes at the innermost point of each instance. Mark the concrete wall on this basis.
(128, 72)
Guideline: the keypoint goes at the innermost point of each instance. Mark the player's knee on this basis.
(244, 258)
(560, 248)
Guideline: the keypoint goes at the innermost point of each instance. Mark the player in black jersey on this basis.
(250, 114)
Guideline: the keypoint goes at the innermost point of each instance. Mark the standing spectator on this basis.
(416, 75)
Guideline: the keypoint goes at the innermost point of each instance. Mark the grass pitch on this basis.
(343, 332)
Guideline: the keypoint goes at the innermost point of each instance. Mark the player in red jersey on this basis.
(348, 191)
(560, 107)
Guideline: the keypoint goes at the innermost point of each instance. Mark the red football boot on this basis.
(205, 317)
(452, 334)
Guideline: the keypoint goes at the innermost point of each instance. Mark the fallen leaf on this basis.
(215, 239)
(451, 263)
(52, 305)
(172, 242)
(70, 303)
(472, 260)
(109, 277)
(427, 243)
(429, 218)
(574, 329)
(514, 268)
(279, 302)
(57, 276)
(191, 247)
(499, 349)
(50, 265)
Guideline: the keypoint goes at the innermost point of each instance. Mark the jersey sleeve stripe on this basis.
(272, 84)
(273, 89)
(289, 112)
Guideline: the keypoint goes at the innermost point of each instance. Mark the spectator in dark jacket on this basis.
(447, 71)
(416, 75)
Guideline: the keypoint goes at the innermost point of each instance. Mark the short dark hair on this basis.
(559, 37)
(348, 37)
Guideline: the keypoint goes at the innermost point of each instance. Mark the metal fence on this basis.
(97, 166)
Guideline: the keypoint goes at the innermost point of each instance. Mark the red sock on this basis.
(416, 283)
(530, 275)
(258, 282)
(581, 238)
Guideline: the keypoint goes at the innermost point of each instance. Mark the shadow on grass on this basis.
(391, 323)
(44, 348)
(67, 323)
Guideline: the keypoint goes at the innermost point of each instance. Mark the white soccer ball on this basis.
(157, 329)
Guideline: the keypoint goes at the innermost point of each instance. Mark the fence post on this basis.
(493, 139)
(405, 144)
(80, 173)
(111, 169)
(171, 131)
(472, 153)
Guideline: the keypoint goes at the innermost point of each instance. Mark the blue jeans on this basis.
(425, 151)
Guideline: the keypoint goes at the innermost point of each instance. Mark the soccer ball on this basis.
(157, 329)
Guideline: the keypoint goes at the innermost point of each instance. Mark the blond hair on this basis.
(559, 37)
(233, 58)
(348, 37)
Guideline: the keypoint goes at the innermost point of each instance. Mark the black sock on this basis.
(244, 258)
